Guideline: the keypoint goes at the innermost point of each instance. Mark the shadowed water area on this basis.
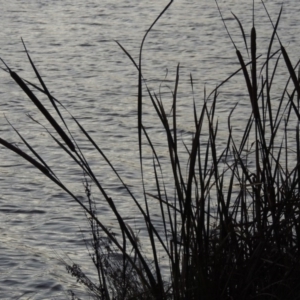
(73, 45)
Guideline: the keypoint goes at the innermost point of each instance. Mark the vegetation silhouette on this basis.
(220, 243)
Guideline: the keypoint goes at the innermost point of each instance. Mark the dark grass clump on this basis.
(231, 228)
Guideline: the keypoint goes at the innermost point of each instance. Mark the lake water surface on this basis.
(73, 46)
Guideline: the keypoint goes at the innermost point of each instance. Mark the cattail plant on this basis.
(231, 229)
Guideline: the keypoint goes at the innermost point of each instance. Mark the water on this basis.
(72, 44)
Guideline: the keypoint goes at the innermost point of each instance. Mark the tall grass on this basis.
(231, 228)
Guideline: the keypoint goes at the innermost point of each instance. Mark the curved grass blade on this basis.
(42, 109)
(243, 33)
(43, 83)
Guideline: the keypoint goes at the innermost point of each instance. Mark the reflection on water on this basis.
(72, 43)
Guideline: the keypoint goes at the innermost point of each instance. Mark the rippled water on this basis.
(73, 46)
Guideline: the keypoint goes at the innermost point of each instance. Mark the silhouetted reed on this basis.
(220, 243)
